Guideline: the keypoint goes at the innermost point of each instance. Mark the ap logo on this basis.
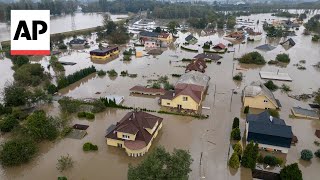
(30, 32)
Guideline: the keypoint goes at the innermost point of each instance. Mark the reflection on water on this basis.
(67, 23)
(177, 132)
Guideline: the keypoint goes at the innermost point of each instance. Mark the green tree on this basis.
(317, 153)
(234, 161)
(160, 164)
(172, 25)
(317, 98)
(8, 123)
(271, 86)
(19, 61)
(235, 123)
(236, 134)
(306, 154)
(283, 58)
(64, 163)
(250, 155)
(231, 22)
(40, 127)
(252, 58)
(237, 148)
(17, 151)
(15, 95)
(291, 172)
(30, 74)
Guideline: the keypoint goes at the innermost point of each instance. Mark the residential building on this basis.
(138, 89)
(165, 37)
(135, 132)
(104, 53)
(257, 95)
(208, 56)
(191, 39)
(271, 133)
(188, 93)
(196, 65)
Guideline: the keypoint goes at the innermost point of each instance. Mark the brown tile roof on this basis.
(135, 123)
(196, 65)
(194, 91)
(142, 89)
(219, 46)
(210, 56)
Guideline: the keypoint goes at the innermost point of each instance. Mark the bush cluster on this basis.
(88, 146)
(235, 133)
(86, 115)
(252, 58)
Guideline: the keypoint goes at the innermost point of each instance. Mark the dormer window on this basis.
(125, 136)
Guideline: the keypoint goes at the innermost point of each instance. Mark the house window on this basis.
(168, 103)
(125, 136)
(265, 101)
(185, 98)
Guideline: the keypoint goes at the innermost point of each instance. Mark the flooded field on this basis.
(209, 137)
(67, 23)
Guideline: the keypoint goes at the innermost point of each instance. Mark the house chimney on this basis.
(271, 118)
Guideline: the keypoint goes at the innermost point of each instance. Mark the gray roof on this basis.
(210, 56)
(265, 124)
(77, 41)
(190, 37)
(148, 34)
(258, 88)
(290, 41)
(265, 47)
(305, 112)
(194, 77)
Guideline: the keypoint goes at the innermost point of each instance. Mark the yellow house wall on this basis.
(132, 137)
(258, 102)
(114, 142)
(106, 56)
(190, 104)
(168, 39)
(145, 149)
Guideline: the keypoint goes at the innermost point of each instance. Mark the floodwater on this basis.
(67, 23)
(207, 140)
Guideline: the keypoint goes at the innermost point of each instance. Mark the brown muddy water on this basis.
(208, 137)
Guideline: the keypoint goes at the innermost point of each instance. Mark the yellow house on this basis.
(166, 37)
(135, 132)
(185, 96)
(188, 92)
(104, 53)
(257, 95)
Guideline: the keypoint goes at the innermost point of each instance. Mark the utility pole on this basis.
(1, 54)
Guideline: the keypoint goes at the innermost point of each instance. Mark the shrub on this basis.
(52, 89)
(236, 134)
(17, 151)
(8, 123)
(234, 161)
(69, 105)
(62, 178)
(101, 73)
(274, 113)
(168, 86)
(306, 154)
(237, 148)
(112, 73)
(252, 58)
(235, 123)
(238, 77)
(98, 106)
(271, 86)
(156, 85)
(90, 115)
(88, 146)
(291, 172)
(285, 88)
(283, 58)
(82, 114)
(270, 160)
(62, 46)
(317, 153)
(260, 159)
(64, 163)
(246, 110)
(65, 131)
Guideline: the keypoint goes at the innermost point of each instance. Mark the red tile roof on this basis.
(196, 65)
(219, 46)
(135, 123)
(194, 91)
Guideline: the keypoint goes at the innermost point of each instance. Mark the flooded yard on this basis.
(207, 140)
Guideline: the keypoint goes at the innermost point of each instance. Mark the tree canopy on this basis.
(291, 172)
(17, 151)
(162, 165)
(252, 58)
(250, 155)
